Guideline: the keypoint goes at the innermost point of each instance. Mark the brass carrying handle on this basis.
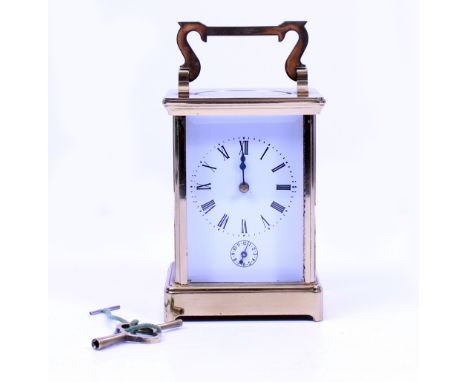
(192, 63)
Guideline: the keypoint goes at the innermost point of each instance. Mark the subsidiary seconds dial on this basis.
(243, 186)
(244, 253)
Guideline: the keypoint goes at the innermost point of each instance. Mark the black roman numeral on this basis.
(223, 151)
(261, 158)
(283, 187)
(222, 223)
(244, 226)
(204, 164)
(204, 186)
(265, 222)
(244, 145)
(278, 167)
(208, 206)
(278, 207)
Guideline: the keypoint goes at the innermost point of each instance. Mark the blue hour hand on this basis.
(244, 186)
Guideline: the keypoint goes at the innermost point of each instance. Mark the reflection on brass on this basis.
(180, 224)
(309, 198)
(244, 187)
(184, 83)
(192, 63)
(244, 102)
(302, 82)
(170, 306)
(295, 69)
(242, 299)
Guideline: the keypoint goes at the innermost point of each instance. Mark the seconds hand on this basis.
(243, 254)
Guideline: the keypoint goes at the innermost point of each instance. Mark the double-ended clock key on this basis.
(144, 335)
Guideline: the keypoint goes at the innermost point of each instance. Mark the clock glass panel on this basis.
(245, 207)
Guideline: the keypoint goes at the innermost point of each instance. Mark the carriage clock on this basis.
(244, 183)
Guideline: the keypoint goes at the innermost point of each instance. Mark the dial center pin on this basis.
(243, 187)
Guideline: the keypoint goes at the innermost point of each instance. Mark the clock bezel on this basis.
(180, 226)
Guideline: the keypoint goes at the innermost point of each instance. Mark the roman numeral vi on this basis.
(244, 226)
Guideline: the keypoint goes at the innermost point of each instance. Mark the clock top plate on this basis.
(244, 102)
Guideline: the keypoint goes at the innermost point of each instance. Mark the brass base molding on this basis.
(245, 299)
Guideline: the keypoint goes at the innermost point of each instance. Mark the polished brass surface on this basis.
(180, 223)
(241, 299)
(102, 310)
(302, 82)
(240, 95)
(309, 198)
(244, 187)
(192, 63)
(191, 67)
(183, 298)
(244, 102)
(121, 335)
(184, 83)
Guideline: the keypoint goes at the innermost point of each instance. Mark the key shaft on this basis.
(121, 335)
(171, 324)
(104, 342)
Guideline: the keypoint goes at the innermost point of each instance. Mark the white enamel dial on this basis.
(244, 184)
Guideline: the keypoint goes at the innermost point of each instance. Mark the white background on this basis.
(110, 187)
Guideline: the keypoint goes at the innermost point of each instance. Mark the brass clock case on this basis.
(184, 298)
